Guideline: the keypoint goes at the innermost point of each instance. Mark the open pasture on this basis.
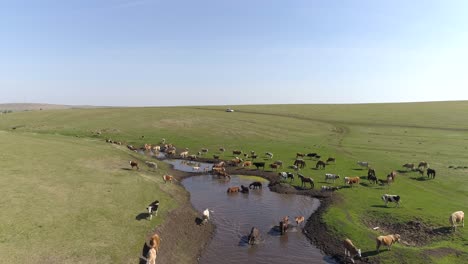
(385, 135)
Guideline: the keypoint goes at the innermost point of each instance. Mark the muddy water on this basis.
(235, 214)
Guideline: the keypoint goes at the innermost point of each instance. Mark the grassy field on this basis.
(386, 135)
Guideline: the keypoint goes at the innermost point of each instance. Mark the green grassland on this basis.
(386, 135)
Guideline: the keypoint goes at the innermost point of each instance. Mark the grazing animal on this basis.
(351, 251)
(421, 171)
(152, 165)
(155, 242)
(204, 150)
(305, 180)
(284, 223)
(153, 208)
(431, 173)
(423, 164)
(409, 166)
(196, 168)
(216, 157)
(236, 152)
(329, 176)
(330, 188)
(390, 198)
(269, 155)
(274, 166)
(455, 218)
(352, 180)
(184, 154)
(370, 172)
(300, 163)
(372, 179)
(286, 175)
(206, 216)
(222, 149)
(330, 159)
(134, 164)
(320, 164)
(311, 155)
(244, 189)
(299, 219)
(254, 236)
(192, 157)
(247, 164)
(254, 156)
(259, 165)
(300, 155)
(255, 185)
(218, 169)
(317, 156)
(388, 241)
(168, 178)
(224, 174)
(363, 163)
(130, 147)
(279, 163)
(219, 164)
(233, 189)
(156, 148)
(383, 182)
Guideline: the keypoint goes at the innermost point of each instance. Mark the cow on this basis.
(372, 178)
(330, 159)
(247, 164)
(370, 172)
(156, 148)
(431, 173)
(363, 163)
(244, 189)
(153, 208)
(168, 178)
(192, 157)
(423, 164)
(284, 223)
(254, 236)
(329, 176)
(275, 166)
(388, 241)
(390, 198)
(408, 166)
(455, 218)
(233, 189)
(351, 251)
(300, 163)
(259, 165)
(391, 176)
(196, 168)
(216, 157)
(134, 164)
(255, 185)
(152, 165)
(184, 154)
(279, 162)
(299, 219)
(204, 150)
(236, 152)
(352, 180)
(311, 155)
(320, 164)
(219, 164)
(206, 216)
(269, 155)
(254, 156)
(330, 188)
(155, 242)
(222, 149)
(235, 162)
(300, 155)
(217, 170)
(286, 175)
(305, 180)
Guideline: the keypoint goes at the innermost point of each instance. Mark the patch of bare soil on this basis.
(442, 252)
(413, 233)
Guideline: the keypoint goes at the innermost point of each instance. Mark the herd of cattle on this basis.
(219, 169)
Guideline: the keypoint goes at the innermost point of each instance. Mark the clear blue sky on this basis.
(204, 52)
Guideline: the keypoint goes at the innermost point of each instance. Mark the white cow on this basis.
(329, 176)
(206, 215)
(363, 163)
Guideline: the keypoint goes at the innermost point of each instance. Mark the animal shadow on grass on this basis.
(403, 171)
(358, 169)
(420, 178)
(127, 169)
(142, 216)
(379, 206)
(365, 184)
(369, 253)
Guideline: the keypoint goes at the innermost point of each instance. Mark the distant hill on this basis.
(17, 107)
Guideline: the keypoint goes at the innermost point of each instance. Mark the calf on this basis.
(390, 198)
(387, 241)
(134, 164)
(299, 219)
(153, 208)
(167, 178)
(329, 176)
(351, 251)
(247, 164)
(300, 155)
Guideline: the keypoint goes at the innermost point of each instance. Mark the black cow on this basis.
(259, 165)
(431, 173)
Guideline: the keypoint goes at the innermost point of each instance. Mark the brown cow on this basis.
(299, 219)
(233, 189)
(320, 164)
(387, 241)
(154, 243)
(134, 164)
(168, 178)
(275, 166)
(330, 159)
(352, 180)
(300, 155)
(423, 164)
(247, 164)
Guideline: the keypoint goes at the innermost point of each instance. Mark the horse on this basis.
(254, 236)
(320, 164)
(330, 159)
(255, 185)
(284, 225)
(154, 243)
(134, 164)
(305, 180)
(300, 163)
(244, 189)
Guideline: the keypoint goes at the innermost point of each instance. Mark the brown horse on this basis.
(305, 180)
(320, 164)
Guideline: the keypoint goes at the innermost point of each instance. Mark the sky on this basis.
(215, 52)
